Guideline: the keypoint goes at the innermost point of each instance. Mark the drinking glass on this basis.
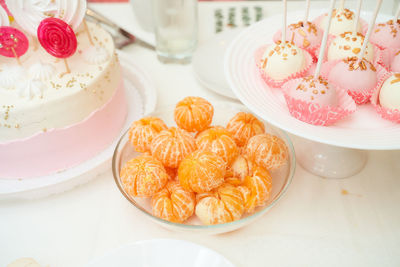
(175, 28)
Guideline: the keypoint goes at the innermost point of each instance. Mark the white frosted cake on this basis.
(51, 121)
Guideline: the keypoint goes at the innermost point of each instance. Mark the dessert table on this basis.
(319, 222)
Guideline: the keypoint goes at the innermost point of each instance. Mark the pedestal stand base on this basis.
(328, 161)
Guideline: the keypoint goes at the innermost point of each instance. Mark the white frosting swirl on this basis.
(41, 71)
(11, 75)
(4, 20)
(95, 55)
(31, 88)
(29, 13)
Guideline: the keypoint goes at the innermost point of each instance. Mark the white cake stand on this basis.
(141, 97)
(336, 151)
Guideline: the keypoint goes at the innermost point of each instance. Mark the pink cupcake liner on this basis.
(386, 113)
(387, 56)
(311, 71)
(360, 97)
(377, 51)
(278, 35)
(313, 113)
(318, 20)
(278, 83)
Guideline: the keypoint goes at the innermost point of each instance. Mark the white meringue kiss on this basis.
(29, 13)
(4, 20)
(30, 88)
(95, 55)
(41, 71)
(10, 76)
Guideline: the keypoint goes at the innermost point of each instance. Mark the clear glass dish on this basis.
(223, 112)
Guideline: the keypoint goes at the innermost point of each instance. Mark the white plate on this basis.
(162, 252)
(364, 130)
(208, 62)
(141, 97)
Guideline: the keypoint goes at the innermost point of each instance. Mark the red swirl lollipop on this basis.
(57, 38)
(13, 42)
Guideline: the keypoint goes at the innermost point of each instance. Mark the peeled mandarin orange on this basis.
(201, 171)
(172, 145)
(243, 126)
(218, 140)
(240, 167)
(193, 114)
(259, 185)
(143, 176)
(143, 131)
(211, 210)
(172, 172)
(267, 150)
(224, 204)
(173, 203)
(245, 192)
(233, 181)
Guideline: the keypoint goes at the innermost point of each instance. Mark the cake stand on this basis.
(141, 98)
(336, 151)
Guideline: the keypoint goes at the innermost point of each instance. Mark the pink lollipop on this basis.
(13, 42)
(57, 38)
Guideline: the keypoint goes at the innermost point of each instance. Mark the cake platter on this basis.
(141, 99)
(333, 151)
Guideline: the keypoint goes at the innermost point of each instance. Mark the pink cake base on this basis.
(59, 149)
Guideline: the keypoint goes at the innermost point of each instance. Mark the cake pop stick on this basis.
(16, 56)
(88, 32)
(324, 40)
(68, 70)
(307, 11)
(284, 22)
(342, 4)
(359, 4)
(397, 14)
(370, 27)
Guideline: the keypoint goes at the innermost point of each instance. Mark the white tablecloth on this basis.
(315, 224)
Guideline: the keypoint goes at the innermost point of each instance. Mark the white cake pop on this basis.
(343, 20)
(347, 45)
(389, 96)
(280, 61)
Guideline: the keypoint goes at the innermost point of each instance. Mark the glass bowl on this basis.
(223, 112)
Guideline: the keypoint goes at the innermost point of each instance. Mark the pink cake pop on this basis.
(312, 99)
(356, 74)
(314, 90)
(303, 34)
(387, 35)
(13, 42)
(57, 38)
